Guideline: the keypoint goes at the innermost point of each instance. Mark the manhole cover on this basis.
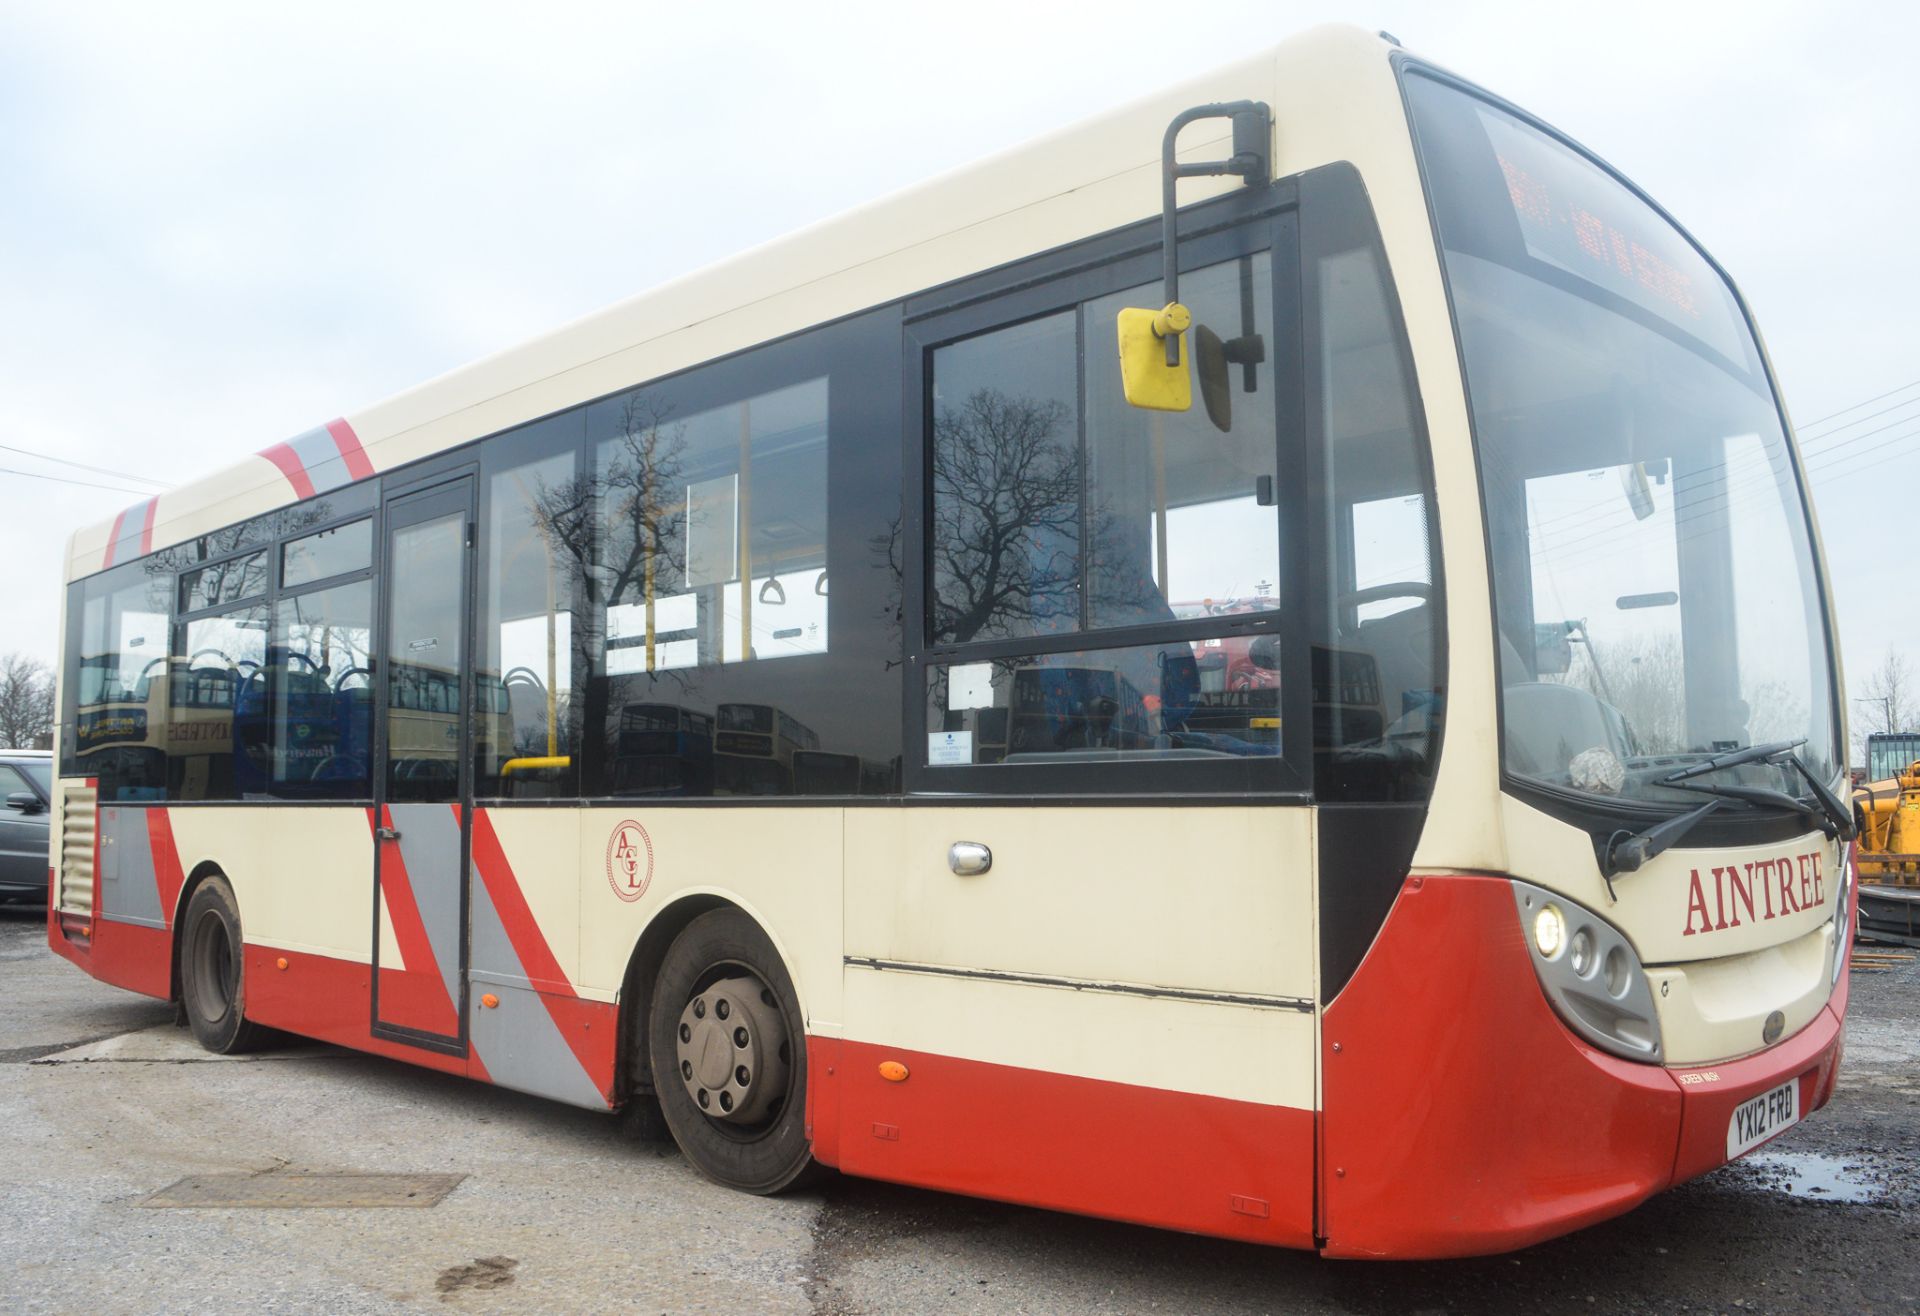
(282, 1189)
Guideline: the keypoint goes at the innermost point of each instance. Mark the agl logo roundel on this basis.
(629, 860)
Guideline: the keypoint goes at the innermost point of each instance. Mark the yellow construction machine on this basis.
(1886, 851)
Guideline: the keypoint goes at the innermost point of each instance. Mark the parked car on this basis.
(26, 782)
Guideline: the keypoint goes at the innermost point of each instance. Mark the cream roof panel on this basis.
(1333, 96)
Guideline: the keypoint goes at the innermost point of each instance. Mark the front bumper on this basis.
(1461, 1117)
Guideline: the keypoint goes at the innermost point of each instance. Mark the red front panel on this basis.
(1461, 1117)
(1177, 1160)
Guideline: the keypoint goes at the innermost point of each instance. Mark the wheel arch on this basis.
(636, 988)
(631, 1077)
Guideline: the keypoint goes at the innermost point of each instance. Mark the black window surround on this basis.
(1240, 224)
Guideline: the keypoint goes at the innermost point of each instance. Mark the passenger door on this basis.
(1089, 938)
(423, 793)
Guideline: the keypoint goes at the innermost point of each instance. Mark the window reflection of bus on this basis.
(663, 749)
(818, 772)
(753, 749)
(119, 718)
(423, 726)
(1067, 708)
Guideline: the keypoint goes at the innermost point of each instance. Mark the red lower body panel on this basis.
(1177, 1160)
(127, 955)
(328, 1000)
(1461, 1117)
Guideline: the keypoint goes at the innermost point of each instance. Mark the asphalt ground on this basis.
(557, 1212)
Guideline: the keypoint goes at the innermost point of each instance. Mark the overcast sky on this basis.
(223, 224)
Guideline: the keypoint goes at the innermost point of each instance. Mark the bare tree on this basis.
(1885, 701)
(26, 702)
(1006, 507)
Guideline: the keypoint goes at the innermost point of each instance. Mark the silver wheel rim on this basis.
(733, 1052)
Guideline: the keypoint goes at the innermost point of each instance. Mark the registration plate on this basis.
(1759, 1118)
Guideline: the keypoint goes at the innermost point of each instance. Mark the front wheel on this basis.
(212, 980)
(727, 1049)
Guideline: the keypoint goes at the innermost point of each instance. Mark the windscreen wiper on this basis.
(1766, 798)
(1626, 852)
(1839, 819)
(1732, 759)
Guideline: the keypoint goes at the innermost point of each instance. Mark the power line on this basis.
(89, 484)
(97, 470)
(1856, 406)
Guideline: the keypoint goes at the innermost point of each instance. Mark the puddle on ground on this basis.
(1812, 1176)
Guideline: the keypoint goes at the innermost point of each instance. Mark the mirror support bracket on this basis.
(1251, 161)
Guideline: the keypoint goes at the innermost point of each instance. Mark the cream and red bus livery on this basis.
(1510, 893)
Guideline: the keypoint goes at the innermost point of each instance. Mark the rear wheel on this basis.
(727, 1049)
(212, 973)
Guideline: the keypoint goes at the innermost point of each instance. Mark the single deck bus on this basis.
(1508, 894)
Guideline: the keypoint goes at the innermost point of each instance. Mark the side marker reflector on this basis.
(280, 963)
(893, 1071)
(490, 1000)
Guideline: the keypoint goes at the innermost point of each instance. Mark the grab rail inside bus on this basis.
(536, 761)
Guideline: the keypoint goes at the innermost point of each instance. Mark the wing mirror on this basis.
(1264, 652)
(24, 802)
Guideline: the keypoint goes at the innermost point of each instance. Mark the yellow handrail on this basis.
(542, 761)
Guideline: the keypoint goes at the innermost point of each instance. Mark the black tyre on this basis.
(728, 1053)
(212, 971)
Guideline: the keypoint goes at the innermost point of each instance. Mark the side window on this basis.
(1176, 523)
(115, 712)
(1378, 701)
(1060, 512)
(320, 685)
(1005, 540)
(219, 733)
(711, 560)
(734, 538)
(713, 528)
(537, 526)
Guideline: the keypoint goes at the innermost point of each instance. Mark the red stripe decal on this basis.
(523, 930)
(166, 862)
(146, 530)
(351, 452)
(422, 972)
(537, 960)
(113, 539)
(283, 456)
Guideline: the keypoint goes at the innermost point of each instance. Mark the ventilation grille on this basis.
(78, 829)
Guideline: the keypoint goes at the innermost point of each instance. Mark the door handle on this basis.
(969, 858)
(386, 833)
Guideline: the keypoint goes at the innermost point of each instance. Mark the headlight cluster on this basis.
(1591, 974)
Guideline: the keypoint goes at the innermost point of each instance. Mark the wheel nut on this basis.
(741, 1076)
(721, 1009)
(740, 1038)
(699, 1009)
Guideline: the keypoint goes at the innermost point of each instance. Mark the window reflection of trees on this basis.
(1006, 517)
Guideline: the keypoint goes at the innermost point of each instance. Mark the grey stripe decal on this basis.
(517, 1040)
(430, 848)
(321, 456)
(1295, 1003)
(129, 889)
